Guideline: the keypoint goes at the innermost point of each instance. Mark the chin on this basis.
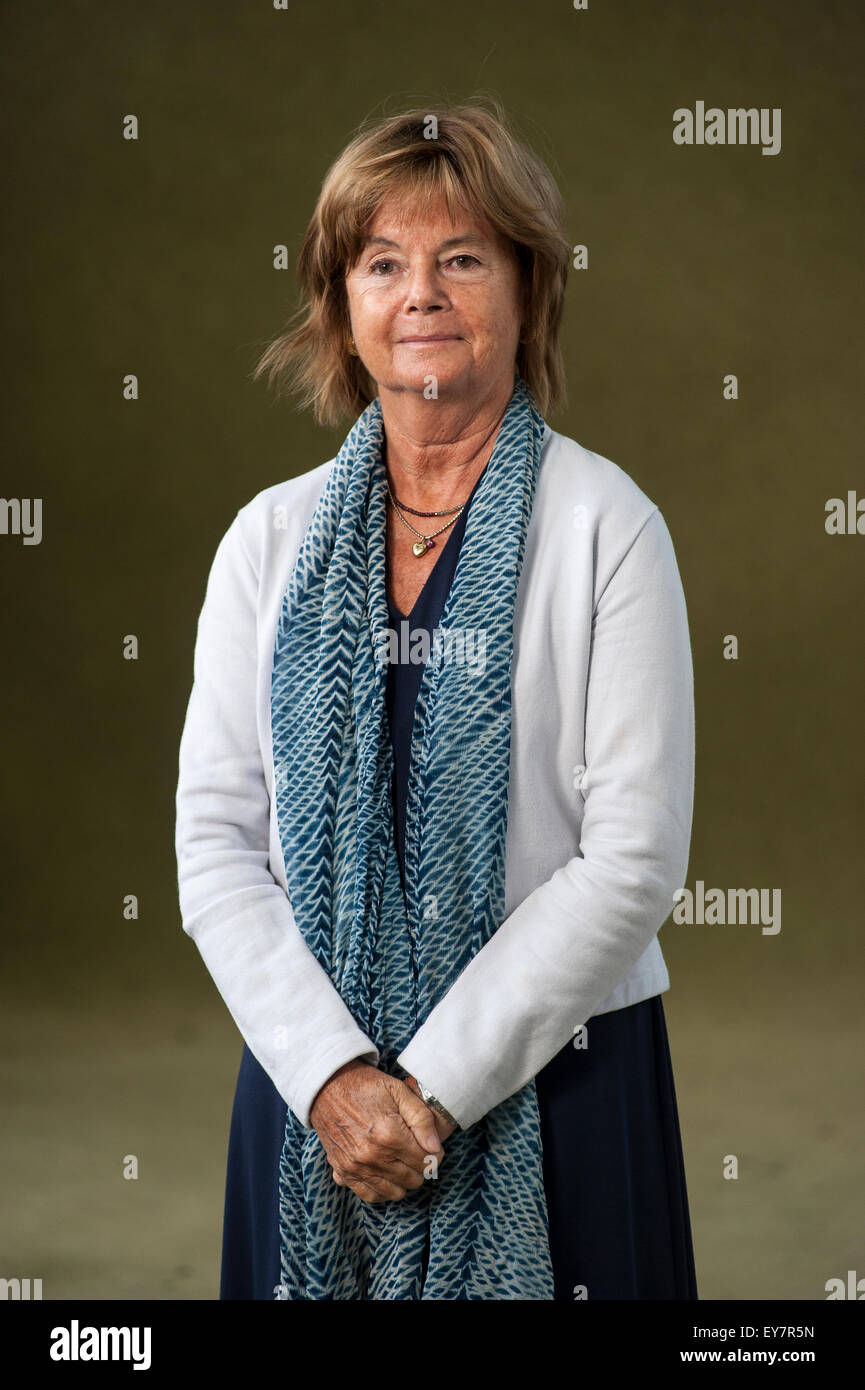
(447, 381)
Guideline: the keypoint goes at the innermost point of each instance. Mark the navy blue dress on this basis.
(614, 1173)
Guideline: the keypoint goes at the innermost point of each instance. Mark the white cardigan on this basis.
(599, 806)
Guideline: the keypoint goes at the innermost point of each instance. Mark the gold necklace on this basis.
(445, 511)
(425, 542)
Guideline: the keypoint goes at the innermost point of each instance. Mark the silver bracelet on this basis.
(434, 1104)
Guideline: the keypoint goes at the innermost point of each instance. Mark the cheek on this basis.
(494, 308)
(500, 323)
(371, 308)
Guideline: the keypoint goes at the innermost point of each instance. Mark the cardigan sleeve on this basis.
(286, 1007)
(569, 942)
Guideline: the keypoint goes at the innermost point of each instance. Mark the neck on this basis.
(436, 450)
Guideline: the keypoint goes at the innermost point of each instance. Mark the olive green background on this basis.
(154, 257)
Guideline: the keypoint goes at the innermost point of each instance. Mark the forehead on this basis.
(401, 222)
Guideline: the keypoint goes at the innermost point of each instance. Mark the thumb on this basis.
(416, 1114)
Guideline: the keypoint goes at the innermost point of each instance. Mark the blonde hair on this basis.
(476, 164)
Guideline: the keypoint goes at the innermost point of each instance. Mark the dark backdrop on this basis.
(154, 257)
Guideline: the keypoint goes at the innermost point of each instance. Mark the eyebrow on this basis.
(470, 239)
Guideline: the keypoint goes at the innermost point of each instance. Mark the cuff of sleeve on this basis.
(446, 1084)
(305, 1088)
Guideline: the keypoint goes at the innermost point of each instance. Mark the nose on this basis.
(424, 287)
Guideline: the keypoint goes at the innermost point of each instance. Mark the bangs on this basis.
(420, 181)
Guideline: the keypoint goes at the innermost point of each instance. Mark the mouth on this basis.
(430, 338)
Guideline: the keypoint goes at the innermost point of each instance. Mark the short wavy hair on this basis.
(478, 165)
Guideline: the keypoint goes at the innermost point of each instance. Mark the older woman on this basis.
(436, 776)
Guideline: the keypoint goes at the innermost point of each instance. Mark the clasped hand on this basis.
(377, 1133)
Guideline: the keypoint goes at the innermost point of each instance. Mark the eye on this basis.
(382, 266)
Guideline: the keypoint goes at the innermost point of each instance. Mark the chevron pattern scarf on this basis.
(481, 1225)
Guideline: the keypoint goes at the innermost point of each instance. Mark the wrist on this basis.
(435, 1104)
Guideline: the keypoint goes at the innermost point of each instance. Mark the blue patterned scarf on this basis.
(480, 1225)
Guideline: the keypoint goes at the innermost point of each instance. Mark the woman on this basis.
(436, 776)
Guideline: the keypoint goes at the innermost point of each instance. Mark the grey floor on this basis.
(778, 1085)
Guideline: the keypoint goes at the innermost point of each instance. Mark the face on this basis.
(435, 298)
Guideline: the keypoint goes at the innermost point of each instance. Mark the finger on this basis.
(390, 1142)
(372, 1189)
(397, 1172)
(375, 1193)
(419, 1118)
(385, 1168)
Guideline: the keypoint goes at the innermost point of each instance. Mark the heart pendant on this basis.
(419, 548)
